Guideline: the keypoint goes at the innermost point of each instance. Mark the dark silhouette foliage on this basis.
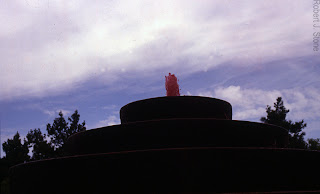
(16, 152)
(60, 130)
(75, 127)
(277, 116)
(314, 144)
(41, 148)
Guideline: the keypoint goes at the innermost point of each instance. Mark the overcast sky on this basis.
(96, 56)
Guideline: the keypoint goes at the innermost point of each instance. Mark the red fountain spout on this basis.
(172, 85)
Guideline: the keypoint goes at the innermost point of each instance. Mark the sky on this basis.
(97, 56)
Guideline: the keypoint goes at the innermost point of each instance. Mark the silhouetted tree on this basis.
(41, 148)
(59, 131)
(314, 144)
(16, 152)
(4, 175)
(75, 127)
(277, 116)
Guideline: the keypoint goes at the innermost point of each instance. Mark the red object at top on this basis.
(172, 85)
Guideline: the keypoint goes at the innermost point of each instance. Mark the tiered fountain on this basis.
(175, 144)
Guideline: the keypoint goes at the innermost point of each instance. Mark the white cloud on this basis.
(55, 113)
(50, 111)
(64, 112)
(110, 107)
(49, 48)
(250, 104)
(246, 103)
(246, 114)
(111, 120)
(246, 97)
(303, 103)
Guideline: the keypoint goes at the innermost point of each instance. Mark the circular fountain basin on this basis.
(175, 107)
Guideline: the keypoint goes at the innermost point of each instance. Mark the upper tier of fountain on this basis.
(170, 107)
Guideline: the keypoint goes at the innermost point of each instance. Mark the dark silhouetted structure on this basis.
(175, 144)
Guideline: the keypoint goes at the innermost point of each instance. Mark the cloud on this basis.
(246, 103)
(54, 113)
(44, 108)
(303, 103)
(111, 120)
(64, 112)
(246, 97)
(250, 104)
(110, 107)
(49, 112)
(51, 47)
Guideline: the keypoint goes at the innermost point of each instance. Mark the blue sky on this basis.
(97, 57)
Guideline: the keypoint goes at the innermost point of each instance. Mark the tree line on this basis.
(43, 146)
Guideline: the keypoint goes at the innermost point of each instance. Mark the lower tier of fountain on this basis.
(173, 170)
(175, 133)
